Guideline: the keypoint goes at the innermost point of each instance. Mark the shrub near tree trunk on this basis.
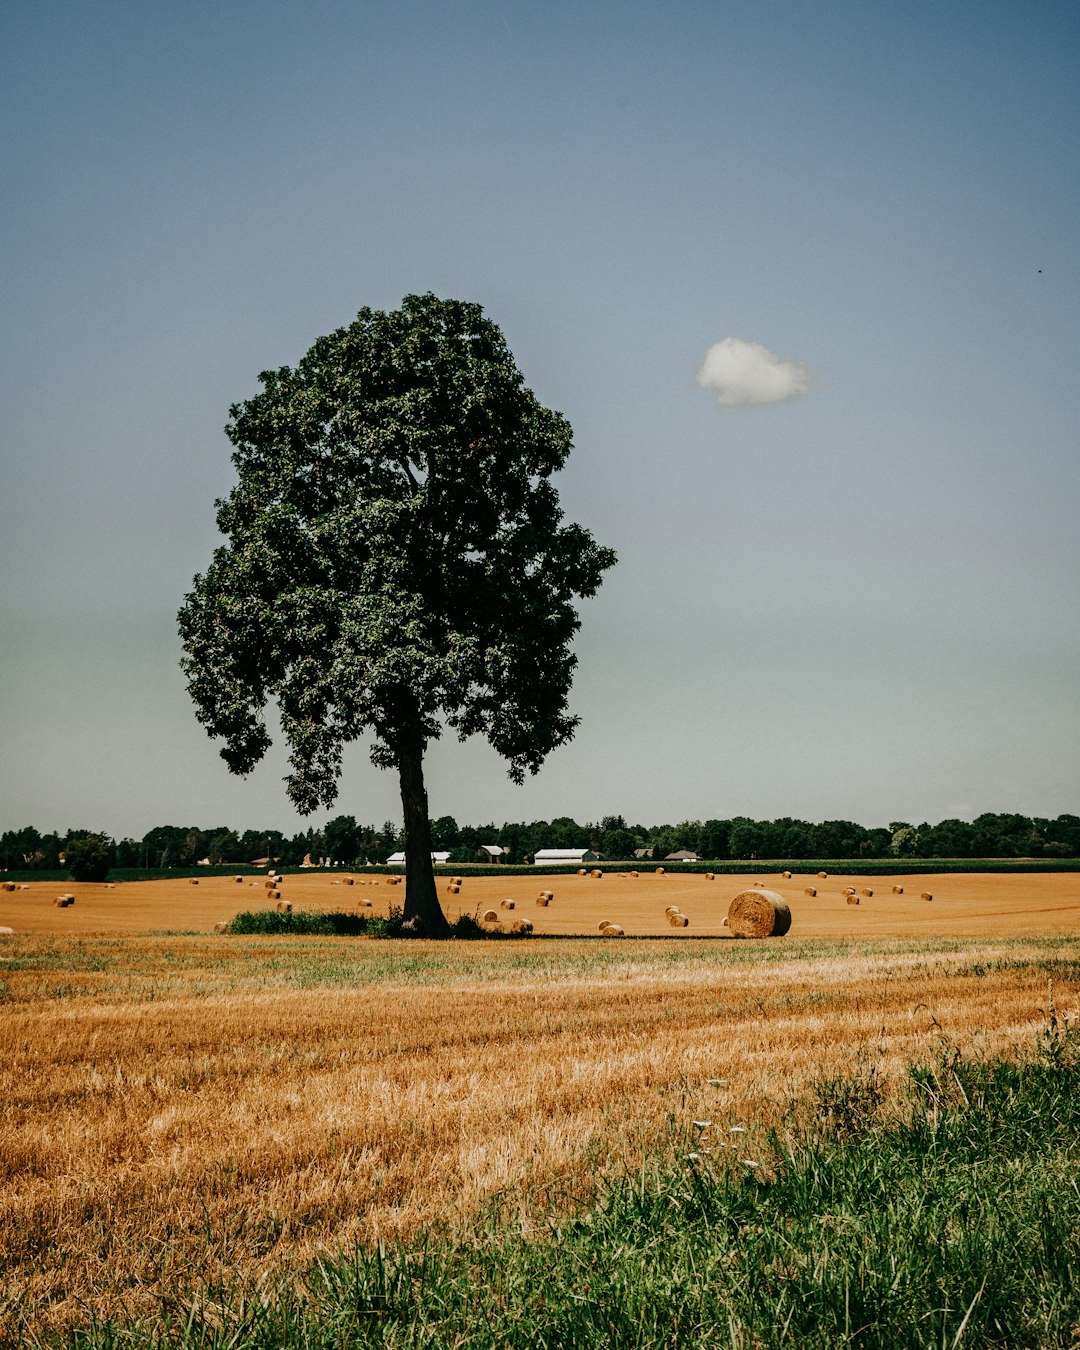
(395, 563)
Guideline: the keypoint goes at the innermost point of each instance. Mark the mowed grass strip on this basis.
(957, 1224)
(226, 1109)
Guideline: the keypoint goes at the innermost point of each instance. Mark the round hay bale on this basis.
(192, 881)
(759, 913)
(507, 904)
(284, 906)
(612, 930)
(521, 926)
(849, 890)
(348, 881)
(597, 873)
(659, 871)
(710, 876)
(7, 932)
(9, 885)
(490, 916)
(823, 875)
(238, 880)
(364, 902)
(810, 890)
(678, 921)
(454, 890)
(867, 892)
(898, 890)
(221, 927)
(669, 910)
(543, 901)
(852, 898)
(786, 876)
(633, 874)
(269, 884)
(926, 896)
(582, 872)
(273, 895)
(550, 894)
(455, 881)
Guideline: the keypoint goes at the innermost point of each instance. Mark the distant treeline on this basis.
(344, 840)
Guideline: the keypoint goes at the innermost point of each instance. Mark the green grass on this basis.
(959, 1225)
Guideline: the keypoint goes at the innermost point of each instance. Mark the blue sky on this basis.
(861, 602)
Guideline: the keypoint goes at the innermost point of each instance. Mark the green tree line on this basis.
(344, 840)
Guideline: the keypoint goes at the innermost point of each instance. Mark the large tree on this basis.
(395, 562)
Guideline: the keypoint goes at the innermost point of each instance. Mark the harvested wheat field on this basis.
(179, 1108)
(962, 905)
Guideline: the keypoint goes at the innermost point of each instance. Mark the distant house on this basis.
(683, 855)
(490, 853)
(398, 859)
(643, 853)
(260, 862)
(544, 856)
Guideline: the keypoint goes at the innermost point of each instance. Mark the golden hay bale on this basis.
(810, 890)
(507, 904)
(521, 926)
(192, 881)
(284, 906)
(866, 891)
(550, 894)
(633, 874)
(710, 876)
(543, 901)
(678, 921)
(7, 932)
(898, 890)
(454, 890)
(221, 927)
(849, 890)
(393, 881)
(490, 916)
(758, 913)
(273, 895)
(348, 881)
(269, 884)
(597, 873)
(238, 880)
(455, 881)
(851, 898)
(669, 910)
(786, 876)
(582, 872)
(9, 885)
(364, 902)
(823, 875)
(926, 896)
(659, 871)
(612, 930)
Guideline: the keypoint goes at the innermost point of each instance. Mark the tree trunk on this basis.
(422, 908)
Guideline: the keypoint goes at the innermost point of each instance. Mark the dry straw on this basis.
(543, 901)
(851, 898)
(758, 913)
(454, 890)
(507, 904)
(582, 872)
(192, 881)
(786, 876)
(491, 916)
(597, 873)
(810, 890)
(221, 927)
(611, 930)
(274, 895)
(867, 892)
(898, 890)
(9, 885)
(364, 902)
(710, 876)
(284, 906)
(926, 896)
(348, 881)
(238, 879)
(823, 875)
(521, 926)
(678, 921)
(659, 871)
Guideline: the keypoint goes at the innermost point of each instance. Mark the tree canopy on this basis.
(396, 562)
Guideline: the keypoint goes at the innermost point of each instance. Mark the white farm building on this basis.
(398, 859)
(545, 856)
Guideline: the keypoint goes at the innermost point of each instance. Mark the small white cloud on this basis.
(746, 373)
